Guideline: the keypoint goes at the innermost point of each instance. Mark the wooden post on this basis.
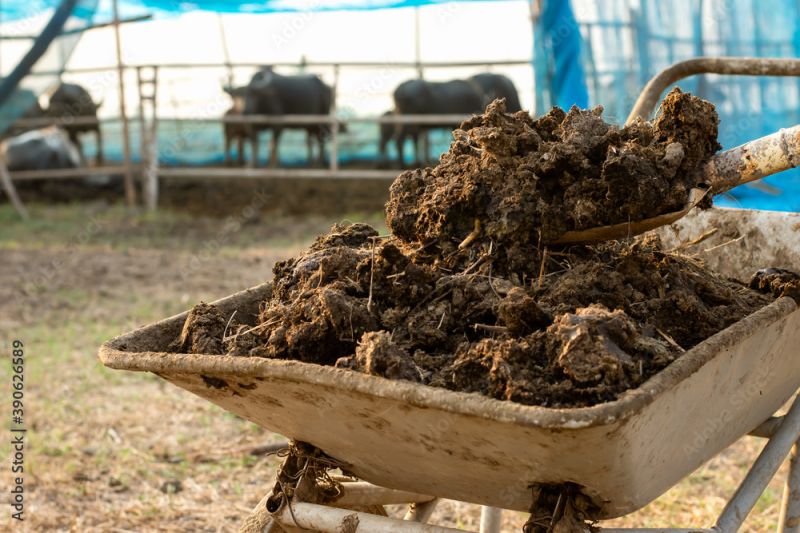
(417, 44)
(334, 122)
(130, 187)
(141, 104)
(423, 139)
(151, 168)
(225, 52)
(148, 126)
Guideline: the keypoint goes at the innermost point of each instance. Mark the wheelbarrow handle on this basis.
(741, 66)
(752, 161)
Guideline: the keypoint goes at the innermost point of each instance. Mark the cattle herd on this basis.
(270, 94)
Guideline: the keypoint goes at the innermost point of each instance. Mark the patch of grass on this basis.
(121, 430)
(114, 226)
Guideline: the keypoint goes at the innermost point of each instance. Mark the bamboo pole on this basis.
(150, 144)
(417, 44)
(130, 187)
(334, 121)
(225, 52)
(306, 64)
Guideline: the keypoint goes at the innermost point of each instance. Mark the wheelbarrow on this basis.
(408, 443)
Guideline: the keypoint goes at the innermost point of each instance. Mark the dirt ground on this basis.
(221, 197)
(111, 451)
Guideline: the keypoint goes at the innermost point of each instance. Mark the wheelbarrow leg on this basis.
(260, 521)
(763, 470)
(491, 518)
(790, 510)
(335, 520)
(421, 512)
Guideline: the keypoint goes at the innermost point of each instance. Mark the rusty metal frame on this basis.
(783, 434)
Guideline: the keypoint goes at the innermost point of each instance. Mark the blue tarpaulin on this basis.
(590, 52)
(557, 55)
(22, 9)
(46, 56)
(626, 42)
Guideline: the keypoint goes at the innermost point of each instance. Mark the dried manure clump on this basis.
(519, 181)
(778, 282)
(462, 296)
(203, 331)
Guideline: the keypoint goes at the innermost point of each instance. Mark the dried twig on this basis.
(474, 234)
(670, 340)
(425, 246)
(371, 276)
(764, 187)
(268, 449)
(254, 450)
(321, 274)
(694, 242)
(557, 511)
(689, 260)
(726, 243)
(489, 327)
(440, 297)
(491, 286)
(225, 331)
(446, 285)
(541, 269)
(477, 263)
(253, 329)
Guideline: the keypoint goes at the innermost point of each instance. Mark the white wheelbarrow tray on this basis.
(467, 447)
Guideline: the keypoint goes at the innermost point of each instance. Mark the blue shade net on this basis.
(623, 43)
(22, 9)
(281, 6)
(202, 145)
(48, 50)
(585, 52)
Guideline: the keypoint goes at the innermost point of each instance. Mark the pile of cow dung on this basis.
(464, 295)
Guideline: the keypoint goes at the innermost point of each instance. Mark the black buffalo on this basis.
(494, 86)
(455, 97)
(235, 131)
(270, 93)
(388, 131)
(70, 101)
